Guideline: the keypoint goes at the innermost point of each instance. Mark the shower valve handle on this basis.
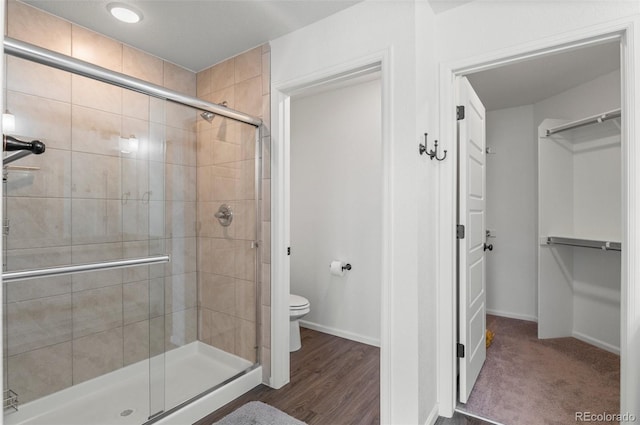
(224, 215)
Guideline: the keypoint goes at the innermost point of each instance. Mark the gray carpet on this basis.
(527, 380)
(258, 413)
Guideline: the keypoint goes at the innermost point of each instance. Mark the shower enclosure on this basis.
(128, 173)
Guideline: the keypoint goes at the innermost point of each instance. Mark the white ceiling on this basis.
(531, 81)
(440, 6)
(196, 34)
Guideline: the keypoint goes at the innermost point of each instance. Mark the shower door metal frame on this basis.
(56, 60)
(53, 59)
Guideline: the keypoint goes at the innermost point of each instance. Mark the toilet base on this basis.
(294, 336)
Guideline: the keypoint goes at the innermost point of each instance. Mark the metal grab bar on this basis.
(81, 268)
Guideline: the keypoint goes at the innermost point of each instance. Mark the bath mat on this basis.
(258, 413)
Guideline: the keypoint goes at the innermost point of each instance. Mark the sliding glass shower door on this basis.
(96, 196)
(125, 176)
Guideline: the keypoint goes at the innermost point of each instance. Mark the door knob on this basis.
(488, 247)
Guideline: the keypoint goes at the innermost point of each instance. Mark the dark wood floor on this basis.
(333, 381)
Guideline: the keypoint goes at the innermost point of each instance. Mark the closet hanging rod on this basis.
(616, 113)
(585, 243)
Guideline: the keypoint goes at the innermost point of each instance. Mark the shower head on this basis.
(208, 115)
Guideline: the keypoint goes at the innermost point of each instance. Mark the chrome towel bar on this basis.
(81, 268)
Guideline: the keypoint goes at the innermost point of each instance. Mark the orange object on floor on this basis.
(489, 337)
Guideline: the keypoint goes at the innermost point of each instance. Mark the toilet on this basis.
(298, 308)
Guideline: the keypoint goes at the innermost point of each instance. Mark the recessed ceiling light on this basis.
(125, 13)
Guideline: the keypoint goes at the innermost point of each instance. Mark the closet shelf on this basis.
(616, 113)
(586, 243)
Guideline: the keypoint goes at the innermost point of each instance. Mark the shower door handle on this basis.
(82, 268)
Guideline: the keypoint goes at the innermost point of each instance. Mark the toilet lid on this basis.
(296, 301)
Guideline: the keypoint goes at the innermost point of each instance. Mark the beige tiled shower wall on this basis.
(226, 175)
(89, 202)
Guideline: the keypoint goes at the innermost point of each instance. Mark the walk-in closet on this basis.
(579, 184)
(554, 223)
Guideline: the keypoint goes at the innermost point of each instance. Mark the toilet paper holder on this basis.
(339, 268)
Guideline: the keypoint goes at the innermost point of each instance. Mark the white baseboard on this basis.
(600, 344)
(512, 315)
(341, 333)
(433, 416)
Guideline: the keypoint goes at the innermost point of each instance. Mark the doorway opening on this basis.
(330, 192)
(546, 190)
(335, 208)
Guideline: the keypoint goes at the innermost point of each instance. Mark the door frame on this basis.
(281, 94)
(626, 31)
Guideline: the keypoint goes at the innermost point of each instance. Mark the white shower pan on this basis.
(122, 396)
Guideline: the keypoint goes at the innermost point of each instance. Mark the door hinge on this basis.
(288, 250)
(460, 351)
(459, 231)
(460, 112)
(5, 227)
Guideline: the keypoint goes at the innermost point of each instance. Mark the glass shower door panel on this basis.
(157, 246)
(88, 199)
(225, 343)
(180, 277)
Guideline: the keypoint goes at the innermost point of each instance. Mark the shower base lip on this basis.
(101, 400)
(212, 400)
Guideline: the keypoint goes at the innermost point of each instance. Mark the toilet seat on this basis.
(296, 302)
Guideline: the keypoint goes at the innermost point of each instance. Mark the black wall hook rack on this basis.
(433, 153)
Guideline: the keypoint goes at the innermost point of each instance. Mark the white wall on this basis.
(512, 213)
(599, 95)
(387, 30)
(336, 208)
(426, 113)
(486, 26)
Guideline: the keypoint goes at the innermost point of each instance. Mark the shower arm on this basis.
(20, 148)
(14, 157)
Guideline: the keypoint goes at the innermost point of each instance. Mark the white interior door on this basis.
(471, 253)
